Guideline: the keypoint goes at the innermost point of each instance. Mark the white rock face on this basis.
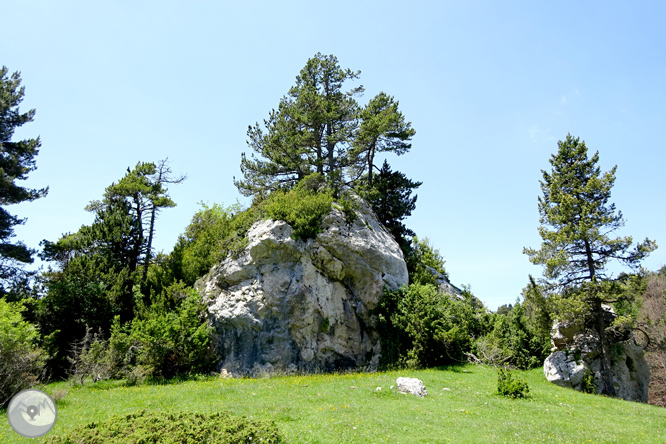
(289, 305)
(411, 386)
(562, 369)
(577, 350)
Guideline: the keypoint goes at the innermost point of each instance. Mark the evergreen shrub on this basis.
(165, 341)
(511, 386)
(421, 260)
(172, 428)
(420, 327)
(513, 340)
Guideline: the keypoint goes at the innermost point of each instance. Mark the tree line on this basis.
(109, 306)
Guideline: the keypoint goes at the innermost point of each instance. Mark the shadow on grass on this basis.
(455, 368)
(110, 384)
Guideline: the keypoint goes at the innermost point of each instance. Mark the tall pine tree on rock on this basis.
(311, 131)
(577, 220)
(383, 129)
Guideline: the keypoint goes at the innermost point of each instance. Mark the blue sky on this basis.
(490, 87)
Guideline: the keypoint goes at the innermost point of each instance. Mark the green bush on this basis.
(21, 361)
(423, 257)
(349, 206)
(172, 428)
(511, 386)
(587, 386)
(213, 233)
(514, 341)
(420, 327)
(165, 341)
(302, 207)
(90, 358)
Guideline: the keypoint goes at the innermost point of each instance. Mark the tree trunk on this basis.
(320, 160)
(330, 146)
(371, 158)
(590, 259)
(151, 231)
(607, 387)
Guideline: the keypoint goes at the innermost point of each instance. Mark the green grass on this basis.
(324, 409)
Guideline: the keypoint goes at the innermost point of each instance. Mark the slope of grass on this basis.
(461, 407)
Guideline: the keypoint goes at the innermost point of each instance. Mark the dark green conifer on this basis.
(382, 129)
(391, 199)
(17, 160)
(311, 131)
(577, 220)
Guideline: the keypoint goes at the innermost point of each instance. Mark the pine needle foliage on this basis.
(17, 160)
(577, 219)
(577, 222)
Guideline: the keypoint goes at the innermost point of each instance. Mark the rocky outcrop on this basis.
(577, 354)
(287, 304)
(443, 284)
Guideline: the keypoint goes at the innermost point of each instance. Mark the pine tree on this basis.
(144, 189)
(17, 160)
(382, 129)
(577, 220)
(101, 267)
(311, 131)
(391, 199)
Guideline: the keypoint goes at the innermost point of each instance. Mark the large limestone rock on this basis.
(287, 305)
(577, 351)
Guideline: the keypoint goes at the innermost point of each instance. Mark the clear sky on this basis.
(490, 87)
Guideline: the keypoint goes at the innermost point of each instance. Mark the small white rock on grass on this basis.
(411, 386)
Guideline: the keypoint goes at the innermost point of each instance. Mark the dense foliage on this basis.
(424, 262)
(303, 207)
(172, 337)
(423, 327)
(213, 233)
(320, 128)
(513, 340)
(107, 292)
(21, 359)
(172, 428)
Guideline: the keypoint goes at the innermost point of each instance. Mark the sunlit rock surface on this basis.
(290, 305)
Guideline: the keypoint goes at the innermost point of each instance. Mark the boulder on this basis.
(562, 369)
(411, 386)
(288, 305)
(577, 352)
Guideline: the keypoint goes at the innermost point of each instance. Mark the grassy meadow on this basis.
(461, 407)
